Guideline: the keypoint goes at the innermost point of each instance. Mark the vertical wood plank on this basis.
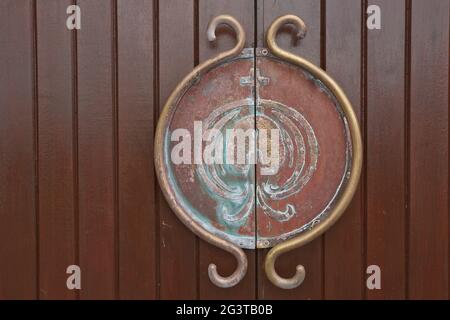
(243, 11)
(18, 276)
(309, 11)
(310, 256)
(343, 258)
(428, 234)
(95, 150)
(57, 159)
(386, 181)
(178, 245)
(137, 209)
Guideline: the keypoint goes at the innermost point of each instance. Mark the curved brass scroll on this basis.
(349, 189)
(160, 165)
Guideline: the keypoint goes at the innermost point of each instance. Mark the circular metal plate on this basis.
(257, 204)
(315, 152)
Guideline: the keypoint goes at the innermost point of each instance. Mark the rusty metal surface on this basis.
(347, 191)
(222, 201)
(259, 205)
(316, 150)
(163, 163)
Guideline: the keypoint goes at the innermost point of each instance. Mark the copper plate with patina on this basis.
(256, 205)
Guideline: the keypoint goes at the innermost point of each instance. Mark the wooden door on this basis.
(78, 110)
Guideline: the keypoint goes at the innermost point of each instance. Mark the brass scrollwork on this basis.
(238, 253)
(186, 216)
(344, 201)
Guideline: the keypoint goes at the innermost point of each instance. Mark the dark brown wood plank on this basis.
(178, 245)
(96, 150)
(18, 276)
(310, 256)
(137, 209)
(428, 234)
(385, 158)
(243, 11)
(343, 243)
(57, 159)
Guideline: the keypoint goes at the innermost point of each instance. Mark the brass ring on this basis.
(349, 189)
(161, 165)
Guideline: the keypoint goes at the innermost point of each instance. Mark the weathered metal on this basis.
(315, 150)
(163, 166)
(346, 192)
(262, 204)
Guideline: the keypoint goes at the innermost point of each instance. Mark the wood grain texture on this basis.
(176, 60)
(137, 209)
(57, 149)
(18, 268)
(77, 117)
(428, 234)
(343, 255)
(386, 181)
(96, 163)
(243, 11)
(310, 256)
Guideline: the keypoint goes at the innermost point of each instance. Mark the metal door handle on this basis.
(344, 201)
(238, 253)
